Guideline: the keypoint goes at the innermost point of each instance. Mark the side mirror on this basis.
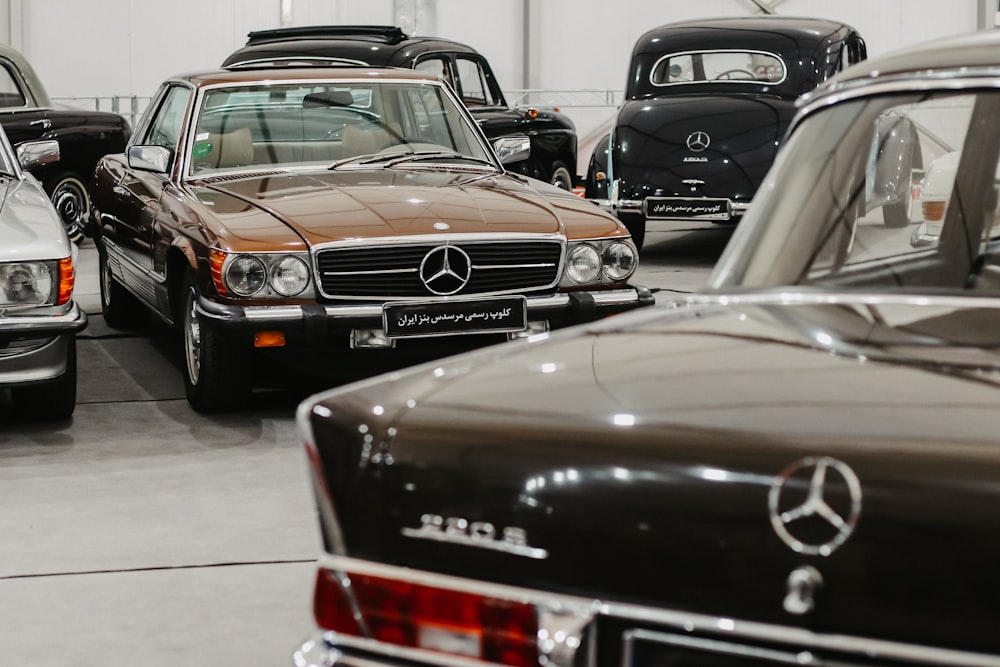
(150, 158)
(32, 154)
(514, 148)
(894, 157)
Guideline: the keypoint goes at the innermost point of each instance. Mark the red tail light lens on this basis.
(418, 616)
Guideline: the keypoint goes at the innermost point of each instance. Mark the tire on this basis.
(51, 401)
(636, 225)
(216, 378)
(897, 214)
(69, 196)
(561, 178)
(120, 308)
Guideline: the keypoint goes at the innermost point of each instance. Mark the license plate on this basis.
(443, 318)
(682, 208)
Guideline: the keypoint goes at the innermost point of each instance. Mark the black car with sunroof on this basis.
(552, 134)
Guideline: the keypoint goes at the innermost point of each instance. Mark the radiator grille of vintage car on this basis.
(395, 271)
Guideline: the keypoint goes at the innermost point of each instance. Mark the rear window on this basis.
(727, 66)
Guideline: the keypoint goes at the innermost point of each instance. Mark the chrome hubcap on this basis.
(192, 338)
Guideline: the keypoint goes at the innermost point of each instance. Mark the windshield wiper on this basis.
(416, 156)
(360, 159)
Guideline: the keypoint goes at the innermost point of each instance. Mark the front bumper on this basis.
(35, 348)
(318, 322)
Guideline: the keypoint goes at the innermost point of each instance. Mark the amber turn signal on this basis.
(269, 339)
(67, 277)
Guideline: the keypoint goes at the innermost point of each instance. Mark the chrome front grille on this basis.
(393, 271)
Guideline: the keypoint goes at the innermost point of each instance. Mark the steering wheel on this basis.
(726, 75)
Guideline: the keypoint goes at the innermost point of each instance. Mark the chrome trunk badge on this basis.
(698, 141)
(814, 505)
(479, 534)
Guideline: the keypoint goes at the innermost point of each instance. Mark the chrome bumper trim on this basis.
(72, 320)
(263, 314)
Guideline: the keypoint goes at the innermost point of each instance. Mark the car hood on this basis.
(651, 459)
(372, 203)
(739, 136)
(29, 227)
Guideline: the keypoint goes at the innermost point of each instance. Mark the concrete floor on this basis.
(143, 533)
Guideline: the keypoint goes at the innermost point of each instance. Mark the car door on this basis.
(20, 114)
(136, 195)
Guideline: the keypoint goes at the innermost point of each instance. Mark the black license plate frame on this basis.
(454, 318)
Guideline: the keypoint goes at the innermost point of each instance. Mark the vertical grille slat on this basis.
(392, 271)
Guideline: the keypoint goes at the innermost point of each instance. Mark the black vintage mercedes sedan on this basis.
(552, 134)
(84, 137)
(707, 103)
(798, 466)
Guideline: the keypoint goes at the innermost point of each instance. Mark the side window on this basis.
(165, 127)
(10, 92)
(431, 66)
(472, 83)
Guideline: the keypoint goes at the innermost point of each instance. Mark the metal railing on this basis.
(129, 107)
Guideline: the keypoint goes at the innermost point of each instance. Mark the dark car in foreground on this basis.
(38, 317)
(707, 103)
(552, 134)
(798, 466)
(320, 217)
(27, 114)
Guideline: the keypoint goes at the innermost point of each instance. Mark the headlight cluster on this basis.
(262, 275)
(28, 284)
(599, 261)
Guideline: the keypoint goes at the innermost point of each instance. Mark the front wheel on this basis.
(561, 178)
(216, 378)
(71, 201)
(121, 310)
(636, 225)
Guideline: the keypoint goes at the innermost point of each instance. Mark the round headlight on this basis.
(289, 276)
(25, 284)
(583, 264)
(619, 260)
(246, 275)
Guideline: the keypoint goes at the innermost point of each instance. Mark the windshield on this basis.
(895, 193)
(329, 123)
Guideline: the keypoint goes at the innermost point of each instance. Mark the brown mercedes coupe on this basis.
(304, 213)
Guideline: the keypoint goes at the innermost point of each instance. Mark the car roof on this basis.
(744, 31)
(370, 44)
(973, 55)
(248, 75)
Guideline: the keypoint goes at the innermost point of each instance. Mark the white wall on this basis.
(104, 48)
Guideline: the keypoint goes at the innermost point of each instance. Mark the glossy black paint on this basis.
(84, 137)
(553, 135)
(673, 509)
(646, 152)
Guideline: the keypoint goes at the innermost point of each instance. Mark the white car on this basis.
(38, 316)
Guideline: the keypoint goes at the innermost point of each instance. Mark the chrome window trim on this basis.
(686, 623)
(950, 81)
(784, 68)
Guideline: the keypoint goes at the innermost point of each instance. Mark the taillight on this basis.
(933, 210)
(67, 277)
(426, 617)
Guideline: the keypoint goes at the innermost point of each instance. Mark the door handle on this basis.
(45, 123)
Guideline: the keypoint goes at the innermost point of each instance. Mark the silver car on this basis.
(38, 317)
